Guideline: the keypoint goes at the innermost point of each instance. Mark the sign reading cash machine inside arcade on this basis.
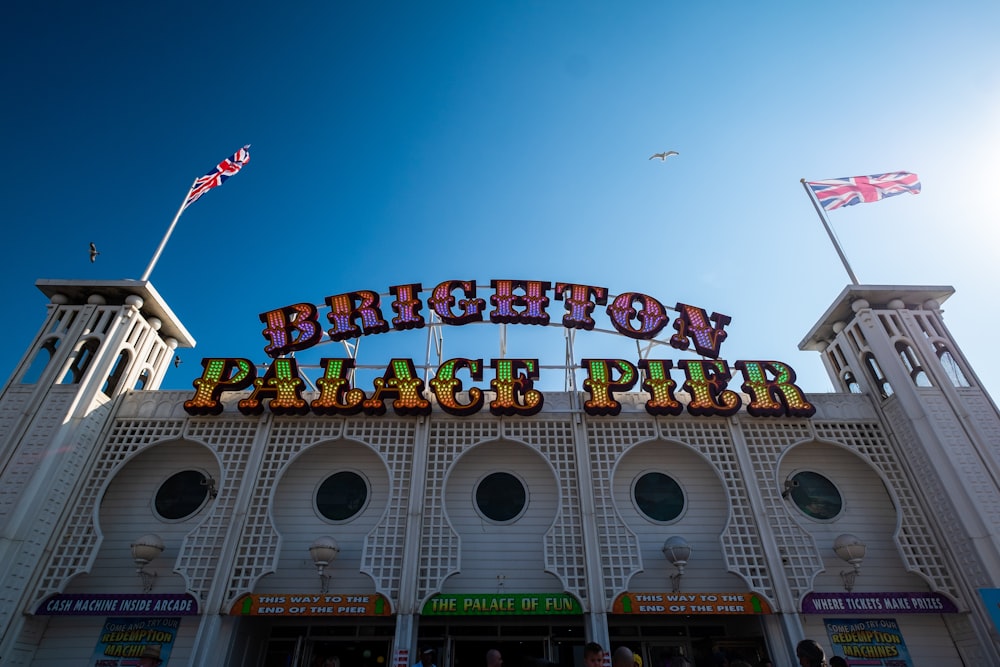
(770, 385)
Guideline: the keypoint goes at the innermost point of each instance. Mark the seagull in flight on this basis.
(663, 156)
(94, 252)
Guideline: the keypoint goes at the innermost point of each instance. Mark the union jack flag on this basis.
(217, 176)
(837, 192)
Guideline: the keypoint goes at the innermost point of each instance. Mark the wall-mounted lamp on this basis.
(677, 551)
(851, 549)
(145, 549)
(209, 481)
(323, 551)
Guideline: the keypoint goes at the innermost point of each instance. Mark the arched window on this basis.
(851, 382)
(41, 361)
(144, 379)
(81, 361)
(115, 377)
(951, 367)
(879, 380)
(912, 365)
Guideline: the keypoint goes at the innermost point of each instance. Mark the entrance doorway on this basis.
(317, 653)
(515, 653)
(665, 654)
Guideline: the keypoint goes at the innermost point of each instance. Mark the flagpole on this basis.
(829, 231)
(170, 230)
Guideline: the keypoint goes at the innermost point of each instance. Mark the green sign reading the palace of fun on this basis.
(499, 604)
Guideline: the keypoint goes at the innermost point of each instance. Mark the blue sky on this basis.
(419, 142)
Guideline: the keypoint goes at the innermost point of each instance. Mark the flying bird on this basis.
(663, 156)
(93, 252)
(177, 361)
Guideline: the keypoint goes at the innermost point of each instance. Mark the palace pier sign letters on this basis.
(770, 385)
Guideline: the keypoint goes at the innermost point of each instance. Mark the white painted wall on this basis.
(701, 524)
(868, 513)
(299, 523)
(488, 549)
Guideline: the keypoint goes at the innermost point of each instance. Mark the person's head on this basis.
(493, 658)
(810, 654)
(427, 657)
(837, 661)
(593, 655)
(622, 657)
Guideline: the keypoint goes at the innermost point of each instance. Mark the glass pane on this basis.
(658, 496)
(341, 496)
(816, 495)
(181, 495)
(500, 496)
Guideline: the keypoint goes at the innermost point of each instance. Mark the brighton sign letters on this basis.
(769, 384)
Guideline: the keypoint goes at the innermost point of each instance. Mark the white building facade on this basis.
(208, 530)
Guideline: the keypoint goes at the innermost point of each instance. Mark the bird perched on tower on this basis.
(663, 156)
(93, 252)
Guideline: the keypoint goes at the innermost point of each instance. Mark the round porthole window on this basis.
(342, 495)
(659, 497)
(181, 495)
(501, 497)
(815, 495)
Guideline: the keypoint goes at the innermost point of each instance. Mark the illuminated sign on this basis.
(769, 384)
(686, 604)
(500, 604)
(325, 604)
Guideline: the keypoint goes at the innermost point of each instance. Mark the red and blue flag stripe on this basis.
(228, 167)
(836, 192)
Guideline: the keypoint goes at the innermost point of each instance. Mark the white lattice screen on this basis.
(78, 544)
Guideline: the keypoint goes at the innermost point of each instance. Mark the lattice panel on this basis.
(741, 539)
(259, 544)
(232, 441)
(921, 551)
(564, 548)
(619, 546)
(77, 547)
(765, 441)
(448, 438)
(394, 441)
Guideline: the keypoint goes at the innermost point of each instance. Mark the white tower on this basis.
(890, 342)
(100, 340)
